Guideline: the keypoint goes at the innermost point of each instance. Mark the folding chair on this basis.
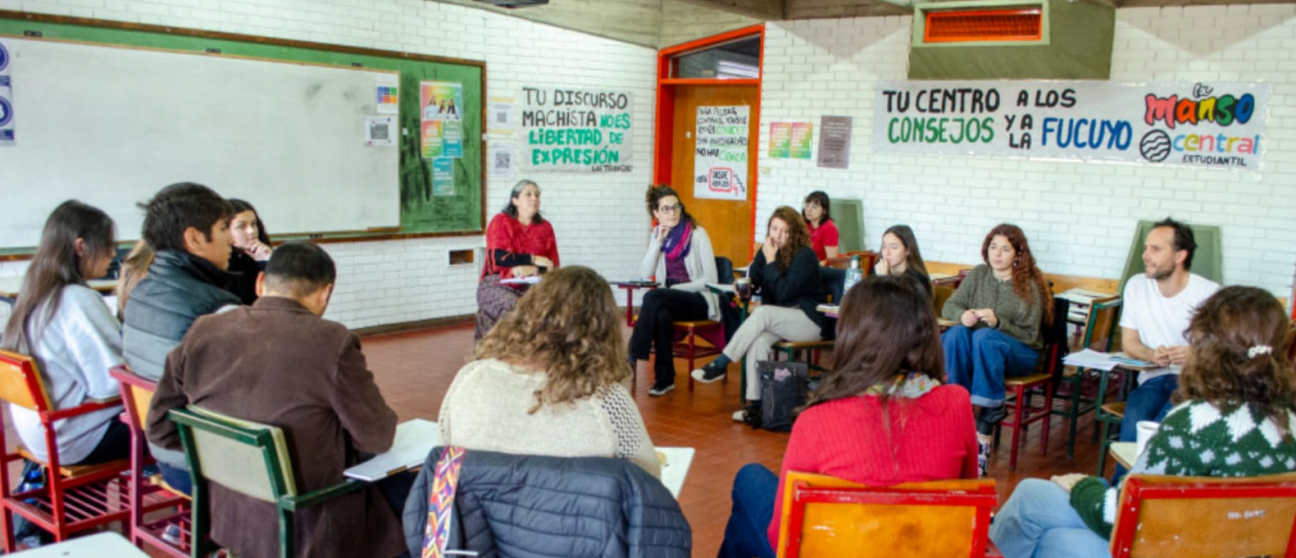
(1100, 330)
(1022, 388)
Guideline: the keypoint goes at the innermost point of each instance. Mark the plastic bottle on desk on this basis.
(853, 275)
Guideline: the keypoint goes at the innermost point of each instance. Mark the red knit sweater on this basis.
(932, 437)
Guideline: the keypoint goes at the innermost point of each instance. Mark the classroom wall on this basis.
(599, 218)
(1079, 216)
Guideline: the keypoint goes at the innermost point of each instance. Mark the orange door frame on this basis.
(665, 121)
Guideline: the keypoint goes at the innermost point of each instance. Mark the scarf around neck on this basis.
(677, 241)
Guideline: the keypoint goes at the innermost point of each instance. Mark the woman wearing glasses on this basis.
(680, 255)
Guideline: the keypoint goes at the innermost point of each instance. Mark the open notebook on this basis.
(414, 439)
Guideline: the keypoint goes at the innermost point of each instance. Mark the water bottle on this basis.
(853, 275)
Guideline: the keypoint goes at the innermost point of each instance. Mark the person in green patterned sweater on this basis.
(1236, 407)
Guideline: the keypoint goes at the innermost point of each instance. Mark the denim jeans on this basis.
(177, 479)
(1039, 522)
(1149, 401)
(747, 535)
(979, 360)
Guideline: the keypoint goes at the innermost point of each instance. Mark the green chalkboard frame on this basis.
(422, 215)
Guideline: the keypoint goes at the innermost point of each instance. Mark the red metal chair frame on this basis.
(65, 505)
(1138, 490)
(687, 347)
(158, 497)
(983, 499)
(1024, 413)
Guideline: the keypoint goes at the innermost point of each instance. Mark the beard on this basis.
(1158, 273)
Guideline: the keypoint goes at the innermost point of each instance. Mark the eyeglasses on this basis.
(668, 209)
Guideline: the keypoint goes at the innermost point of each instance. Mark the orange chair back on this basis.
(827, 516)
(1193, 517)
(137, 394)
(21, 383)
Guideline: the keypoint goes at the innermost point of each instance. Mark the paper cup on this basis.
(1145, 430)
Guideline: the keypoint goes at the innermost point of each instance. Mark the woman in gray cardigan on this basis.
(1000, 306)
(679, 255)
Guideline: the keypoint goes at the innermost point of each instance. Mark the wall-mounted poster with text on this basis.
(1205, 124)
(566, 129)
(720, 158)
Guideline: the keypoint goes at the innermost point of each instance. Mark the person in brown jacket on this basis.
(278, 362)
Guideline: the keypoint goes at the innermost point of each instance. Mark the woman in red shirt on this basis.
(823, 231)
(881, 417)
(519, 244)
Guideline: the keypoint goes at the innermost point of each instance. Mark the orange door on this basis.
(728, 222)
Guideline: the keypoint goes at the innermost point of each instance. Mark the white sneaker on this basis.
(738, 415)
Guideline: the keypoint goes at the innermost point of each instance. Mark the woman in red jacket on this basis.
(519, 244)
(881, 417)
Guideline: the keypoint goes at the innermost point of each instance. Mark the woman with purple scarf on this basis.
(680, 256)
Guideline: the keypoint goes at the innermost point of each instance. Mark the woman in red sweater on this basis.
(519, 244)
(881, 417)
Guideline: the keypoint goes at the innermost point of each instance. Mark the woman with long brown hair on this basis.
(785, 273)
(1234, 412)
(70, 330)
(880, 417)
(549, 378)
(999, 306)
(900, 256)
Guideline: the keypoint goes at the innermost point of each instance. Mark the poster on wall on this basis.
(6, 99)
(388, 94)
(442, 128)
(799, 143)
(720, 158)
(780, 137)
(443, 176)
(569, 129)
(1203, 124)
(834, 142)
(500, 155)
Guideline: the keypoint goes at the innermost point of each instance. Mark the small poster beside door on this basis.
(720, 156)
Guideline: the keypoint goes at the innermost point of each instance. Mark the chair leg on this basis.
(691, 350)
(1048, 418)
(1102, 455)
(10, 543)
(287, 538)
(1017, 427)
(1074, 412)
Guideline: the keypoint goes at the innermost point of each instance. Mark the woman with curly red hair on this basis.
(785, 273)
(999, 306)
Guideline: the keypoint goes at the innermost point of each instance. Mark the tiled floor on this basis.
(415, 369)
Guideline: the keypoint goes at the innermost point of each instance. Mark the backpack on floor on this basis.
(783, 389)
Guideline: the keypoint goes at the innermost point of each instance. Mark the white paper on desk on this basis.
(1090, 358)
(414, 439)
(676, 468)
(532, 280)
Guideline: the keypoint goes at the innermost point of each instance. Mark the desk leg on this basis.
(630, 307)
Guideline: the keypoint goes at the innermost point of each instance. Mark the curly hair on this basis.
(655, 195)
(1024, 271)
(569, 326)
(1223, 368)
(798, 234)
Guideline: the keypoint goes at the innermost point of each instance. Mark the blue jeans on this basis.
(1039, 522)
(1149, 401)
(177, 479)
(747, 534)
(979, 359)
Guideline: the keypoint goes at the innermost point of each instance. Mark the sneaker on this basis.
(710, 373)
(658, 391)
(740, 415)
(751, 414)
(172, 535)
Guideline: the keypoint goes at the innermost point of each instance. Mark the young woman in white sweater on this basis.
(680, 256)
(73, 335)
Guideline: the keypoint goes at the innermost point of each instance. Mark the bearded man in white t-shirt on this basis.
(1158, 306)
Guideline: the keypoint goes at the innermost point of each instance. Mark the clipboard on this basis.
(414, 439)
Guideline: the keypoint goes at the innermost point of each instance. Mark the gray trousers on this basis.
(766, 326)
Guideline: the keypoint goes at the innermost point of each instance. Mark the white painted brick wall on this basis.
(598, 218)
(1079, 216)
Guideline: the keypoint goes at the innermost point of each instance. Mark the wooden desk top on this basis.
(1125, 453)
(10, 286)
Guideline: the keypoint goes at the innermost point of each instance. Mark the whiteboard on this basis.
(111, 126)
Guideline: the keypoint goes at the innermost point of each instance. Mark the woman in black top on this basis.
(785, 273)
(251, 250)
(900, 256)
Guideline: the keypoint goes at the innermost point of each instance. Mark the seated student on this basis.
(679, 254)
(823, 230)
(1157, 308)
(548, 379)
(133, 269)
(881, 417)
(785, 273)
(998, 307)
(187, 226)
(519, 243)
(1234, 413)
(251, 249)
(900, 256)
(278, 362)
(72, 334)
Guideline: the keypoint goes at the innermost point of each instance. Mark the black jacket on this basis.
(243, 271)
(515, 506)
(798, 286)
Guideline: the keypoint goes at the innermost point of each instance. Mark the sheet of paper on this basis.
(675, 468)
(532, 280)
(414, 439)
(388, 94)
(380, 130)
(1090, 358)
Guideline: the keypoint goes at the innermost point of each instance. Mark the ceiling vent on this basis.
(1012, 39)
(510, 4)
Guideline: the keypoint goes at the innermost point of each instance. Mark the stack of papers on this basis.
(532, 280)
(1090, 358)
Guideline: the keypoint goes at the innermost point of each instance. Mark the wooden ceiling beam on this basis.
(765, 10)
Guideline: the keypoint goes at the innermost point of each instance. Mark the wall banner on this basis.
(1205, 124)
(568, 129)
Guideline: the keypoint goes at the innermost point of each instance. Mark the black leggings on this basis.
(661, 308)
(115, 444)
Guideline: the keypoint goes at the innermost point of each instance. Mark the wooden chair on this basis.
(827, 516)
(145, 498)
(688, 333)
(1193, 517)
(74, 498)
(1100, 331)
(249, 458)
(1022, 388)
(1108, 414)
